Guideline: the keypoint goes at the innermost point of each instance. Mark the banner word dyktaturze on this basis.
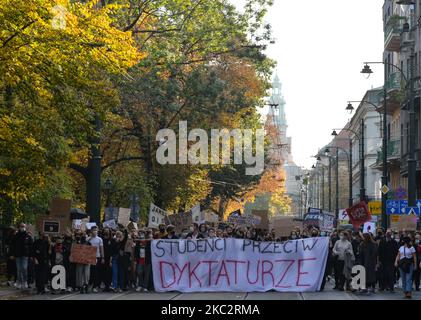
(239, 265)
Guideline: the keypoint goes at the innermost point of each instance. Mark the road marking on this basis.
(175, 296)
(118, 295)
(301, 296)
(66, 296)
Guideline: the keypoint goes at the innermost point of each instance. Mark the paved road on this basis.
(328, 294)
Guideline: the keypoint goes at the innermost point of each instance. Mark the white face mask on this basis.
(191, 229)
(342, 237)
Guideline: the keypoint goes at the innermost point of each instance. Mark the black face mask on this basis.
(162, 229)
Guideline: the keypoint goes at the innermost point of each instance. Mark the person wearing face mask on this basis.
(117, 246)
(194, 232)
(41, 260)
(406, 262)
(293, 236)
(203, 230)
(106, 268)
(341, 250)
(171, 233)
(83, 271)
(368, 252)
(417, 246)
(162, 232)
(69, 267)
(58, 254)
(388, 249)
(21, 248)
(142, 254)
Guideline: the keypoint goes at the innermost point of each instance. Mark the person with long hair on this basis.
(341, 250)
(368, 258)
(406, 261)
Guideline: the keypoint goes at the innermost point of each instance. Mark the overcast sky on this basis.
(320, 49)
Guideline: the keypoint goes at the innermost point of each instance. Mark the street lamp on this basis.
(411, 171)
(351, 198)
(361, 157)
(107, 187)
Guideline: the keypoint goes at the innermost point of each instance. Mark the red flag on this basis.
(358, 214)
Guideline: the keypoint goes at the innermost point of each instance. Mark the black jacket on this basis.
(21, 245)
(388, 250)
(190, 235)
(146, 244)
(117, 248)
(41, 251)
(107, 247)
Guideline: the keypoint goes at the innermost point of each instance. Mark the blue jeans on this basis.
(114, 267)
(407, 279)
(22, 269)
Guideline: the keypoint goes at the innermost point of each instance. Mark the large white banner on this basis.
(238, 265)
(156, 216)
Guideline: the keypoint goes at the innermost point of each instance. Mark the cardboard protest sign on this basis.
(131, 226)
(31, 229)
(180, 220)
(209, 216)
(156, 216)
(196, 214)
(239, 265)
(282, 225)
(358, 214)
(407, 222)
(264, 216)
(110, 224)
(60, 208)
(247, 220)
(123, 216)
(83, 254)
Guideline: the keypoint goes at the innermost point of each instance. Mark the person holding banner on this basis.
(142, 255)
(170, 233)
(194, 232)
(406, 261)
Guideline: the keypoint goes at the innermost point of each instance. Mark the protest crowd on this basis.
(123, 256)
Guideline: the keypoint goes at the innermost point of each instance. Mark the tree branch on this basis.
(15, 34)
(121, 160)
(79, 168)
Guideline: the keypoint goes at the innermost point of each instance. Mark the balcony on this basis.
(393, 87)
(392, 33)
(393, 154)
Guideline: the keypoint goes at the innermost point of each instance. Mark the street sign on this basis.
(375, 207)
(392, 207)
(404, 206)
(400, 207)
(385, 189)
(412, 210)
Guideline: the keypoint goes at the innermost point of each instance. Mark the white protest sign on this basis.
(156, 216)
(89, 225)
(110, 224)
(77, 224)
(369, 227)
(124, 216)
(195, 214)
(238, 265)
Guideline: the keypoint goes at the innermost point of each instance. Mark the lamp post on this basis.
(337, 176)
(367, 70)
(351, 198)
(107, 187)
(360, 137)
